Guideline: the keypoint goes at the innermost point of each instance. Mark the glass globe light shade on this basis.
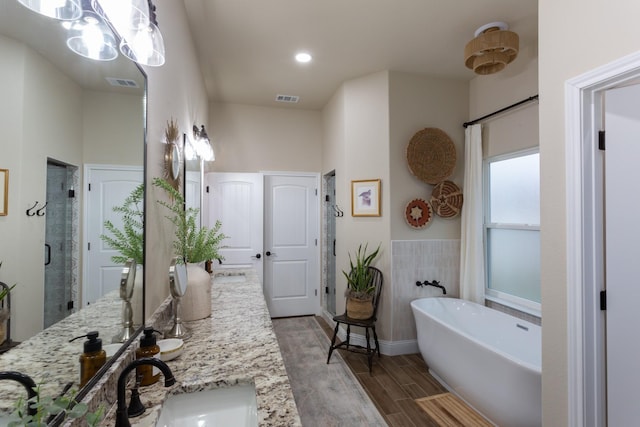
(65, 10)
(91, 37)
(124, 15)
(144, 46)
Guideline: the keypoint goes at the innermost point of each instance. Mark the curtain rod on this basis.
(502, 110)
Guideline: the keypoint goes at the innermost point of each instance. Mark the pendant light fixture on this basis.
(492, 48)
(65, 10)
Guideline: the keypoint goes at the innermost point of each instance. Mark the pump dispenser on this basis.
(92, 358)
(148, 348)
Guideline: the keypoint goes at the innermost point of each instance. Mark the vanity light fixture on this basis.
(203, 147)
(65, 10)
(90, 35)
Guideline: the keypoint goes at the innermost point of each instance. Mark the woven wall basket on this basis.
(446, 199)
(431, 155)
(418, 213)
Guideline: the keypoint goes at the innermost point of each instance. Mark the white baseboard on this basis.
(389, 348)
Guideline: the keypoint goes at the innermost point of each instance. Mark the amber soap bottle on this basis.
(92, 358)
(148, 348)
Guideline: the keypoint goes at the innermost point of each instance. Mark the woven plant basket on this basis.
(359, 309)
(431, 155)
(446, 199)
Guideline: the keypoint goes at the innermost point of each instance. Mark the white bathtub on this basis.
(488, 358)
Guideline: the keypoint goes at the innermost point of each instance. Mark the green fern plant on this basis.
(47, 407)
(129, 240)
(359, 277)
(192, 244)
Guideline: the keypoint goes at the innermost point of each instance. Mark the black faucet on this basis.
(432, 283)
(122, 418)
(26, 381)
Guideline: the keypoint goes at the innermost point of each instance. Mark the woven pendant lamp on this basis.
(492, 48)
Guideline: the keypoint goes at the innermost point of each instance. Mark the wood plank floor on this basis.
(394, 384)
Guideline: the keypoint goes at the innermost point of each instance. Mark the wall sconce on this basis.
(202, 144)
(89, 33)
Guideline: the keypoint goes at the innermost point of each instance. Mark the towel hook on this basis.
(40, 212)
(29, 211)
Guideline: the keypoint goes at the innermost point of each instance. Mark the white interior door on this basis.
(622, 235)
(292, 279)
(236, 199)
(105, 187)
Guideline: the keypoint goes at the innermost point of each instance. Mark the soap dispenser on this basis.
(92, 358)
(148, 348)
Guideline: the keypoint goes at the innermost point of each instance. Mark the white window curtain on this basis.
(471, 246)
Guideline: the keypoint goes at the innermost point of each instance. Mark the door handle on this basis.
(258, 256)
(270, 253)
(48, 252)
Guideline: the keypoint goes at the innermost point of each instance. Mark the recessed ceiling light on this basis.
(303, 57)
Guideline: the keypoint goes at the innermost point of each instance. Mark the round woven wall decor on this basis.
(418, 213)
(431, 155)
(446, 199)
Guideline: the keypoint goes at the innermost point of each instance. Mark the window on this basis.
(512, 229)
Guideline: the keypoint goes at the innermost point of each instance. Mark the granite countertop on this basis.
(50, 359)
(236, 345)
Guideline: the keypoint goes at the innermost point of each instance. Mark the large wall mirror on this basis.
(67, 124)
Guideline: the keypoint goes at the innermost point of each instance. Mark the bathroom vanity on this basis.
(50, 359)
(235, 346)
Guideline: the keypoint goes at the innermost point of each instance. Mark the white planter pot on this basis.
(196, 302)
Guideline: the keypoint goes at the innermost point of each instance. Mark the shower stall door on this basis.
(59, 276)
(330, 212)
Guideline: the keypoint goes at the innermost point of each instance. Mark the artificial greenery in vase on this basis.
(128, 241)
(5, 291)
(359, 277)
(193, 244)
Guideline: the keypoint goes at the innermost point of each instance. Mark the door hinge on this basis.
(603, 300)
(316, 191)
(70, 305)
(88, 246)
(601, 140)
(316, 291)
(89, 186)
(326, 198)
(326, 289)
(207, 189)
(316, 242)
(72, 193)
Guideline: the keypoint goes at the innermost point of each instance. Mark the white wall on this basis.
(45, 121)
(175, 91)
(575, 37)
(249, 138)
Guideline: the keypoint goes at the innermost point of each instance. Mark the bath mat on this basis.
(450, 411)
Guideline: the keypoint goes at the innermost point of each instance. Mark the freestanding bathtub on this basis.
(490, 359)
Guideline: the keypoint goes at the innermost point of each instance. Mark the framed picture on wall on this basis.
(365, 197)
(4, 192)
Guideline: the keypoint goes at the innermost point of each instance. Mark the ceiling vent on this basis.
(287, 98)
(122, 82)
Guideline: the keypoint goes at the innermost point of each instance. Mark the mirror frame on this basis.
(82, 393)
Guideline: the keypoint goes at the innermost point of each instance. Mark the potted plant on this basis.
(4, 311)
(359, 288)
(128, 241)
(193, 245)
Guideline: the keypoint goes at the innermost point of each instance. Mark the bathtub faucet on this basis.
(432, 283)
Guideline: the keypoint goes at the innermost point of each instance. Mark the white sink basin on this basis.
(229, 407)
